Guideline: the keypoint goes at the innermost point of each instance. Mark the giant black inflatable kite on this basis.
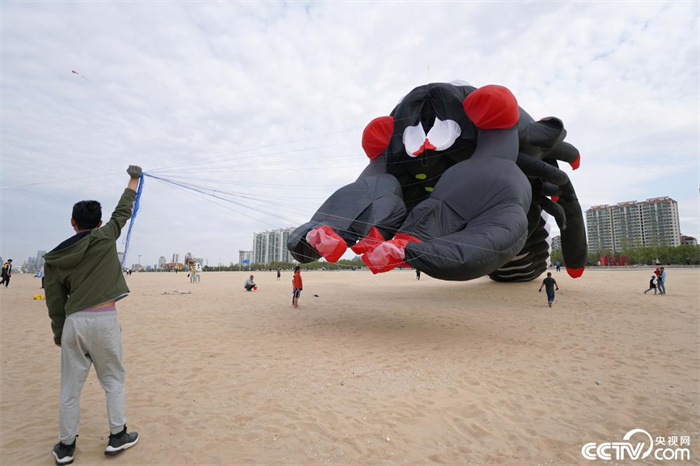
(456, 187)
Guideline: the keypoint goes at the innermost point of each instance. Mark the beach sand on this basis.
(374, 369)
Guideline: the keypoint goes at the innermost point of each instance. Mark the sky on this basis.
(265, 102)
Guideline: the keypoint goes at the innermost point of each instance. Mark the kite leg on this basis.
(474, 222)
(369, 210)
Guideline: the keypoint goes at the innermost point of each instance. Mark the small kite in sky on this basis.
(78, 74)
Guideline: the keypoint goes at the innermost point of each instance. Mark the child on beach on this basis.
(250, 284)
(83, 281)
(297, 286)
(6, 272)
(652, 284)
(549, 283)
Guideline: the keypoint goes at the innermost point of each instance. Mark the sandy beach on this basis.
(369, 370)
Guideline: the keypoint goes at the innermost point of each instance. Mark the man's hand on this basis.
(134, 171)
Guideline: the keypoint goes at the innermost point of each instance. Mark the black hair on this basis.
(87, 214)
(549, 274)
(297, 269)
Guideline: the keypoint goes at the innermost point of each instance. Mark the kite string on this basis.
(137, 207)
(210, 192)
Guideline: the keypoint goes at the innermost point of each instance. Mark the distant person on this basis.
(83, 282)
(250, 284)
(417, 274)
(558, 265)
(279, 273)
(661, 282)
(297, 286)
(549, 283)
(6, 272)
(652, 284)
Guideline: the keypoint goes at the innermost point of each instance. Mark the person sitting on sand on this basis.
(250, 284)
(297, 286)
(652, 284)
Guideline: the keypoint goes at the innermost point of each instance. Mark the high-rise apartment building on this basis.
(556, 243)
(161, 262)
(40, 259)
(271, 246)
(176, 258)
(633, 224)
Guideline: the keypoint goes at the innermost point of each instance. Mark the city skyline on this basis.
(259, 255)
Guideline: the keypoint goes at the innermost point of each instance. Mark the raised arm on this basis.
(124, 208)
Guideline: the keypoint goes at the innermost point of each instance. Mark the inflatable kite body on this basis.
(458, 186)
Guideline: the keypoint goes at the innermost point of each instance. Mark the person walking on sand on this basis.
(417, 274)
(652, 284)
(83, 282)
(662, 281)
(279, 273)
(297, 286)
(549, 283)
(6, 272)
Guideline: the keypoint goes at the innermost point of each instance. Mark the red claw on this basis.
(369, 242)
(389, 254)
(327, 243)
(575, 273)
(555, 198)
(575, 164)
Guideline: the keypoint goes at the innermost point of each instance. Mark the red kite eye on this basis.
(377, 135)
(492, 107)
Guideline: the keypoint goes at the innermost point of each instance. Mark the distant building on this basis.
(171, 266)
(245, 258)
(271, 246)
(31, 264)
(688, 240)
(629, 225)
(176, 258)
(161, 262)
(40, 259)
(556, 243)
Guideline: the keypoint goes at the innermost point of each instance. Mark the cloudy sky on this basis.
(266, 102)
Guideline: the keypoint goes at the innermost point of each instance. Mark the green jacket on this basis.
(84, 270)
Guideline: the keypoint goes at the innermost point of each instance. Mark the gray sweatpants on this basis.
(91, 337)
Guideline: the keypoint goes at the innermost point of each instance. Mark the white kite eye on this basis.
(440, 137)
(413, 139)
(443, 134)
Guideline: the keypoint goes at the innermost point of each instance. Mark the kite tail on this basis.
(137, 207)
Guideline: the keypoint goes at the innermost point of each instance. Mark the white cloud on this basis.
(174, 83)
